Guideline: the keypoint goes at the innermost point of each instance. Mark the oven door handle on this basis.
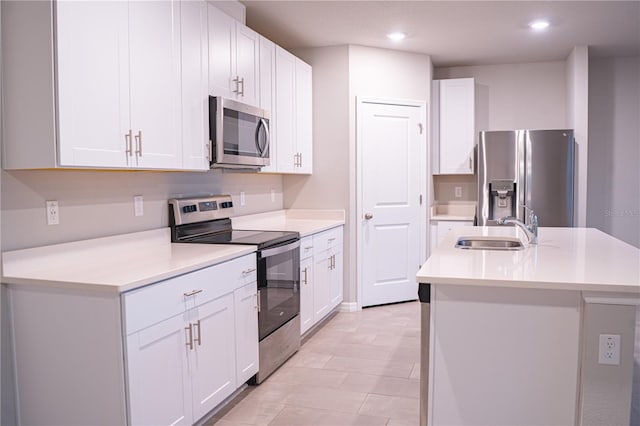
(280, 249)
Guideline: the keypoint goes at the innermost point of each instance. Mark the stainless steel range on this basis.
(206, 220)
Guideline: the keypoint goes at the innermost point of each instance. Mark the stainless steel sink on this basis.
(489, 243)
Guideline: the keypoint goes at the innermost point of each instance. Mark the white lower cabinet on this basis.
(182, 367)
(306, 284)
(440, 229)
(320, 275)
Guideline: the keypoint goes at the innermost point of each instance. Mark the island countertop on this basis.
(583, 259)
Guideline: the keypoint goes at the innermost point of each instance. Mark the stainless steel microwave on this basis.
(239, 134)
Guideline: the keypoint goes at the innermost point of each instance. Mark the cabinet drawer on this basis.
(154, 303)
(306, 247)
(326, 240)
(445, 226)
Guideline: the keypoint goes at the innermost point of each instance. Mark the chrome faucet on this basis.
(530, 230)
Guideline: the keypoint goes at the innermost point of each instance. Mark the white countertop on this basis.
(113, 264)
(306, 222)
(582, 259)
(455, 212)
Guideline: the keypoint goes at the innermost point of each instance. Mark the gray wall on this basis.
(95, 204)
(613, 201)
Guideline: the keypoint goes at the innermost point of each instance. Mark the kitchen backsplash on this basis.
(444, 188)
(94, 204)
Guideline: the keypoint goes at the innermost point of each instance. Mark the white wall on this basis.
(577, 119)
(613, 203)
(94, 204)
(516, 96)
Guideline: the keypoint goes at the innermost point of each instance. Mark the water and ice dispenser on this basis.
(502, 199)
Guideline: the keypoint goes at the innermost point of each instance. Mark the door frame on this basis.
(423, 171)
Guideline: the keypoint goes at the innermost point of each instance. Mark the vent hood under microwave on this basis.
(239, 135)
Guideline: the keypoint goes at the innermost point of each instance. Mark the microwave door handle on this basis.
(262, 150)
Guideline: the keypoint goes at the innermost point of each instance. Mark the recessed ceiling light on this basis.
(396, 36)
(539, 25)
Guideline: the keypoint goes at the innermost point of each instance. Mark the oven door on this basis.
(278, 286)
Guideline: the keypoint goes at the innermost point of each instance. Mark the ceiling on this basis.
(455, 33)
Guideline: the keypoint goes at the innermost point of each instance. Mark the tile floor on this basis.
(360, 368)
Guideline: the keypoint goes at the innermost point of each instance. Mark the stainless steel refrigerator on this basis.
(533, 168)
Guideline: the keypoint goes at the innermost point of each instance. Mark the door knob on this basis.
(368, 216)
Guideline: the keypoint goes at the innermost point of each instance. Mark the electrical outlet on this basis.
(609, 349)
(242, 200)
(138, 207)
(53, 216)
(458, 191)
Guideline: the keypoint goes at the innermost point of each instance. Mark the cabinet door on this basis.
(267, 95)
(93, 83)
(194, 80)
(285, 109)
(321, 286)
(304, 131)
(154, 31)
(335, 275)
(445, 226)
(246, 312)
(212, 360)
(247, 64)
(158, 375)
(222, 41)
(457, 126)
(306, 294)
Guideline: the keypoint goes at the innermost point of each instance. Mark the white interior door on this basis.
(391, 143)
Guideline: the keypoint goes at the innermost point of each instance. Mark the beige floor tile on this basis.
(396, 407)
(301, 416)
(382, 385)
(309, 358)
(221, 422)
(272, 391)
(369, 366)
(309, 376)
(253, 412)
(402, 422)
(336, 400)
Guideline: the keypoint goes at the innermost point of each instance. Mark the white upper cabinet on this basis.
(195, 85)
(233, 59)
(293, 114)
(119, 84)
(154, 52)
(92, 132)
(454, 129)
(267, 95)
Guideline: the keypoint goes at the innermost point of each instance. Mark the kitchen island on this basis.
(515, 336)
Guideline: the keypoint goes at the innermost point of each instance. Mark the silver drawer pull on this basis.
(192, 292)
(308, 247)
(197, 339)
(189, 331)
(331, 240)
(248, 271)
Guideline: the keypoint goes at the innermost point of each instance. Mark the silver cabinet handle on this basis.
(300, 154)
(241, 84)
(306, 280)
(127, 137)
(308, 247)
(192, 292)
(237, 82)
(368, 216)
(258, 297)
(189, 331)
(470, 165)
(248, 271)
(139, 143)
(199, 338)
(331, 239)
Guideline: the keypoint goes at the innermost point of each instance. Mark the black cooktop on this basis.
(262, 239)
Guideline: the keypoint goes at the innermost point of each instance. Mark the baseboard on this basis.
(348, 307)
